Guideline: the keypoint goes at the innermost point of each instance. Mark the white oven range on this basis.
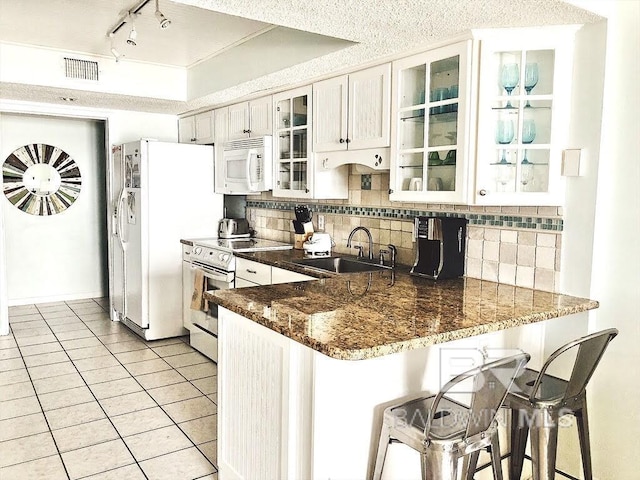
(209, 264)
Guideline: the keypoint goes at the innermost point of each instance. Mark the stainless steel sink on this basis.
(341, 265)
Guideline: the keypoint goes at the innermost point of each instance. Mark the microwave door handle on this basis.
(252, 160)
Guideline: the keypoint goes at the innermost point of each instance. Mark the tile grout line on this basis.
(154, 400)
(99, 405)
(193, 444)
(55, 443)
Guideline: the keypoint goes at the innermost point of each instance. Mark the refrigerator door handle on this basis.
(121, 226)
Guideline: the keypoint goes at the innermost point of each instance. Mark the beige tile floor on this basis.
(84, 397)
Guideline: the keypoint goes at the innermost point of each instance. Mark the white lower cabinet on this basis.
(254, 272)
(286, 411)
(242, 283)
(280, 275)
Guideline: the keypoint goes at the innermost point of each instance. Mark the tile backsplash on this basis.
(514, 245)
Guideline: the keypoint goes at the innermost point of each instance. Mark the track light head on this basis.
(113, 50)
(164, 21)
(133, 34)
(115, 54)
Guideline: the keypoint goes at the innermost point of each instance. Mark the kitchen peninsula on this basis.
(294, 404)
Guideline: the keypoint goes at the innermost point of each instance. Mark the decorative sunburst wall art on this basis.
(41, 179)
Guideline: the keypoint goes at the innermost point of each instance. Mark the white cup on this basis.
(435, 184)
(415, 184)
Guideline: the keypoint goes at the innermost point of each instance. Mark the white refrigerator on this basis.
(158, 194)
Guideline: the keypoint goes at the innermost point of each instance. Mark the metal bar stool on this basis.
(443, 430)
(538, 400)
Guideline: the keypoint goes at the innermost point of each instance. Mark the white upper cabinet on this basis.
(196, 128)
(251, 119)
(523, 109)
(221, 127)
(292, 156)
(352, 111)
(430, 128)
(296, 172)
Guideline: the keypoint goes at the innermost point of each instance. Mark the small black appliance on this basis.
(440, 247)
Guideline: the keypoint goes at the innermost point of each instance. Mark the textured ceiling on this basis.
(382, 28)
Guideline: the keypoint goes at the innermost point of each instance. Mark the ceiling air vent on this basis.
(81, 69)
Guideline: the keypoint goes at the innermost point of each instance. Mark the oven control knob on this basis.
(223, 257)
(197, 250)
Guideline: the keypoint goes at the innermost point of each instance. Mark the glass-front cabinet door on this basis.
(292, 155)
(522, 122)
(429, 135)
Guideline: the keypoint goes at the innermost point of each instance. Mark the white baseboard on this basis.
(12, 302)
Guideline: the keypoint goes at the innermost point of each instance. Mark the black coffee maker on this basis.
(440, 247)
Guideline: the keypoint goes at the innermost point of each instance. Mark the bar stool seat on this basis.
(538, 400)
(444, 430)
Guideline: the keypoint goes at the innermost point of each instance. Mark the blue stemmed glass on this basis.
(509, 78)
(528, 135)
(530, 78)
(504, 135)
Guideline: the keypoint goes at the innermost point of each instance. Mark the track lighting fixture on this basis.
(164, 21)
(114, 52)
(133, 34)
(129, 17)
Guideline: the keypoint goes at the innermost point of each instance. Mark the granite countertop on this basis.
(367, 315)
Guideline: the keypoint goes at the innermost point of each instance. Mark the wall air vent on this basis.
(80, 69)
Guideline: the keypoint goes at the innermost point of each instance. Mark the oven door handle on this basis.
(210, 274)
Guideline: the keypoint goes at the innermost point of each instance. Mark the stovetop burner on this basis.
(242, 244)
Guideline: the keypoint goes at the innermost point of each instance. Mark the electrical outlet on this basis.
(252, 215)
(321, 222)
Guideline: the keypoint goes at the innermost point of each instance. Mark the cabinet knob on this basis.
(482, 192)
(390, 191)
(342, 140)
(348, 141)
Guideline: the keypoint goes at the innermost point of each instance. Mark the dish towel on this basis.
(197, 301)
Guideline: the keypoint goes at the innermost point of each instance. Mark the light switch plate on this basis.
(571, 163)
(321, 222)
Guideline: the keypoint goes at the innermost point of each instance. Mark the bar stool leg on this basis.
(582, 420)
(383, 444)
(473, 463)
(519, 434)
(439, 464)
(544, 443)
(496, 463)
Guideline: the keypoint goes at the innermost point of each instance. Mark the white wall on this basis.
(4, 318)
(61, 256)
(39, 66)
(122, 126)
(603, 263)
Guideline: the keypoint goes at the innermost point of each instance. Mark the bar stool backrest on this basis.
(491, 382)
(590, 351)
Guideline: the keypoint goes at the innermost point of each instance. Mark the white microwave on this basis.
(248, 165)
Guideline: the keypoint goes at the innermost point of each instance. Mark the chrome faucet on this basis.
(393, 251)
(360, 249)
